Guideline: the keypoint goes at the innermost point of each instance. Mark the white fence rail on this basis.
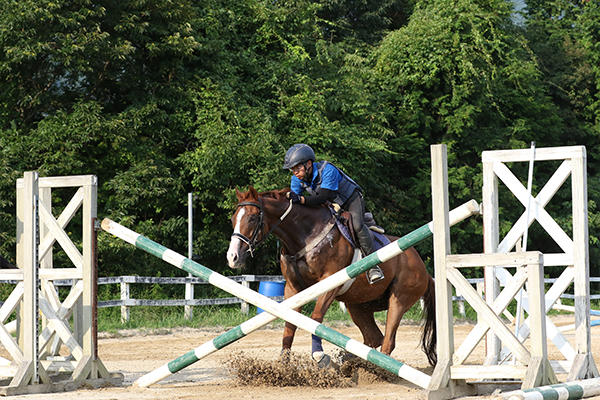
(125, 282)
(126, 301)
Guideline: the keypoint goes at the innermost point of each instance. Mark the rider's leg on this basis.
(356, 207)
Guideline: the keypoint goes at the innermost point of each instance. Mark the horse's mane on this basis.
(276, 194)
(252, 194)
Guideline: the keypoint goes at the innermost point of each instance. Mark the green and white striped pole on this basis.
(384, 254)
(339, 278)
(560, 391)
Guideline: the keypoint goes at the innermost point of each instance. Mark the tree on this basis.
(160, 97)
(564, 36)
(100, 88)
(459, 73)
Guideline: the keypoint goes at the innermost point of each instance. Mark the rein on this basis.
(253, 241)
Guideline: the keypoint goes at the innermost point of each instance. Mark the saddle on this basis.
(343, 221)
(344, 224)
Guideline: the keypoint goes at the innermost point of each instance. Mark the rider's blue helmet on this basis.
(298, 154)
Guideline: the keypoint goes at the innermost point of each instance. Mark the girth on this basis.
(293, 260)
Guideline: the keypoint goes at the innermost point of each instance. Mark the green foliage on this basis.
(159, 98)
(358, 21)
(565, 35)
(458, 73)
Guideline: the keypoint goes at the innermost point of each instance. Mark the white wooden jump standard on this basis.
(578, 362)
(35, 355)
(449, 373)
(339, 278)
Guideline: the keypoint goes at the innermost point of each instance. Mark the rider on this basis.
(325, 182)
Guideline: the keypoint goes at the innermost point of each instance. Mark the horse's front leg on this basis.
(321, 307)
(289, 330)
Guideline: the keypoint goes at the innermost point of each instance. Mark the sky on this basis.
(518, 5)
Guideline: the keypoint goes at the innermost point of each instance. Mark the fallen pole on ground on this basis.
(365, 352)
(567, 391)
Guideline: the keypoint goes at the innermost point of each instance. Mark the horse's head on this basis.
(248, 227)
(256, 216)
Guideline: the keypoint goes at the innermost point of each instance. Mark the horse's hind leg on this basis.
(363, 317)
(396, 309)
(407, 288)
(398, 304)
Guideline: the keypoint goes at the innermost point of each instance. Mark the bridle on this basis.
(253, 241)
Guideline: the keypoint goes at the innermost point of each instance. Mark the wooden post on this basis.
(583, 365)
(490, 245)
(124, 297)
(539, 371)
(245, 308)
(189, 288)
(443, 290)
(28, 369)
(89, 211)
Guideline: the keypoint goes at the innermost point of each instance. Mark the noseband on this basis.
(253, 241)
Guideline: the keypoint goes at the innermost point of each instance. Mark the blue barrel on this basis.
(270, 289)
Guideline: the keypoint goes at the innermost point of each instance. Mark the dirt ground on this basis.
(135, 353)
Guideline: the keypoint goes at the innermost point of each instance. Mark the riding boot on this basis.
(375, 274)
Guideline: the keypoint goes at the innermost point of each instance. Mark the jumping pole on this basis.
(568, 391)
(339, 278)
(384, 254)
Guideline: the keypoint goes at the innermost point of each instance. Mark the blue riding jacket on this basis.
(327, 176)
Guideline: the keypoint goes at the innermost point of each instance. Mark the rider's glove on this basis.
(294, 197)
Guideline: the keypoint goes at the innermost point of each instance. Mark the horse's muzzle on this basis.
(239, 265)
(236, 261)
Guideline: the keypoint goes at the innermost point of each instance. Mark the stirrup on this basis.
(374, 275)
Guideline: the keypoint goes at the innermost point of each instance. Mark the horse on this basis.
(312, 250)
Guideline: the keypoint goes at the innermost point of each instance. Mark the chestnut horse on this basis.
(313, 249)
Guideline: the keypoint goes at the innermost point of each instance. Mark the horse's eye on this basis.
(253, 218)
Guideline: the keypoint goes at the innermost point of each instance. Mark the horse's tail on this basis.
(429, 338)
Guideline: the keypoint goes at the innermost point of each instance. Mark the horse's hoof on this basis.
(345, 356)
(285, 355)
(322, 359)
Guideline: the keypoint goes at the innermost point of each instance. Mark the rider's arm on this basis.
(321, 197)
(295, 186)
(329, 186)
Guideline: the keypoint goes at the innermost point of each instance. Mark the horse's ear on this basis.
(253, 192)
(239, 195)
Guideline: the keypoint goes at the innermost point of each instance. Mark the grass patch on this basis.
(142, 317)
(221, 317)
